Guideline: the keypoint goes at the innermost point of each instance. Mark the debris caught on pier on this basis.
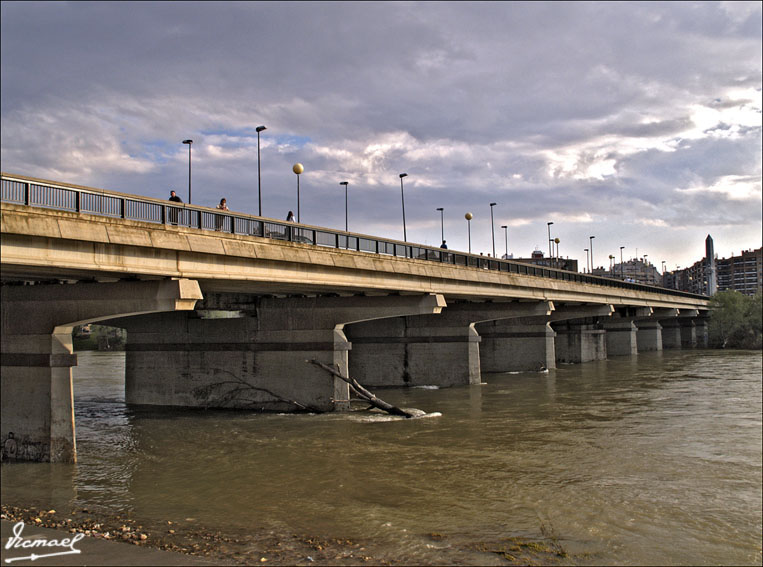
(367, 396)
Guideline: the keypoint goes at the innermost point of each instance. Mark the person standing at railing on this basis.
(173, 211)
(290, 217)
(223, 206)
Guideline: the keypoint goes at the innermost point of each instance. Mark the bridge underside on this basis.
(250, 350)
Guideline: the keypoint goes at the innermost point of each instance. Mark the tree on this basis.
(736, 321)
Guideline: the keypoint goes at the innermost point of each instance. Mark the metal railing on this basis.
(35, 193)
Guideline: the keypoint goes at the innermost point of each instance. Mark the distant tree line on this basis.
(736, 321)
(98, 337)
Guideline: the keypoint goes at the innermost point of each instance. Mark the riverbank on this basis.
(194, 544)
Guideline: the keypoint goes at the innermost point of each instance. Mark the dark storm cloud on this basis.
(604, 116)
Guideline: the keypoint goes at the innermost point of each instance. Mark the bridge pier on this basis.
(700, 330)
(622, 332)
(36, 345)
(515, 345)
(679, 331)
(578, 338)
(257, 358)
(671, 333)
(649, 336)
(688, 319)
(440, 350)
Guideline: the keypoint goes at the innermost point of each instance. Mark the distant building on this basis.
(537, 259)
(637, 270)
(710, 275)
(741, 273)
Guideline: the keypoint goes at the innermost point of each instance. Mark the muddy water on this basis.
(649, 460)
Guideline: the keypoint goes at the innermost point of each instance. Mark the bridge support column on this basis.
(671, 333)
(688, 331)
(622, 332)
(578, 336)
(621, 337)
(36, 379)
(580, 342)
(256, 360)
(515, 345)
(700, 330)
(650, 330)
(649, 336)
(440, 350)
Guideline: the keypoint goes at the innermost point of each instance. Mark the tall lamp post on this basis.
(442, 222)
(590, 245)
(586, 260)
(259, 177)
(506, 234)
(549, 240)
(298, 168)
(189, 142)
(492, 226)
(469, 217)
(402, 194)
(622, 268)
(346, 210)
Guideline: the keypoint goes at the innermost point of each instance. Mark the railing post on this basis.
(26, 193)
(122, 208)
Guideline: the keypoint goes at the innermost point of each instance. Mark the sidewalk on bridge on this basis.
(93, 551)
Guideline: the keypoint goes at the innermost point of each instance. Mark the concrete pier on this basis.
(442, 350)
(649, 334)
(36, 379)
(579, 337)
(256, 357)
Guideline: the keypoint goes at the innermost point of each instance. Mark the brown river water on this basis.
(647, 460)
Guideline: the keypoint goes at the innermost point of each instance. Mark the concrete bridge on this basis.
(222, 310)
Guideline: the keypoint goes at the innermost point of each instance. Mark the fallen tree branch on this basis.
(243, 387)
(363, 393)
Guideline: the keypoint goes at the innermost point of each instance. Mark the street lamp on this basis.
(557, 241)
(402, 194)
(492, 226)
(346, 214)
(622, 268)
(298, 168)
(506, 234)
(663, 267)
(259, 178)
(586, 260)
(590, 245)
(611, 263)
(189, 142)
(469, 217)
(442, 222)
(549, 240)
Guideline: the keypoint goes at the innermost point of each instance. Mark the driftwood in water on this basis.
(363, 393)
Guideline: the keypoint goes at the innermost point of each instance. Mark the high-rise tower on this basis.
(711, 273)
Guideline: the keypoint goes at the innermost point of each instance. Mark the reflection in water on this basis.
(654, 459)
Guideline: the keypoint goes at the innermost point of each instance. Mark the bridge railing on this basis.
(36, 193)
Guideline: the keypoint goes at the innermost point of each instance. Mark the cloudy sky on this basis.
(638, 123)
